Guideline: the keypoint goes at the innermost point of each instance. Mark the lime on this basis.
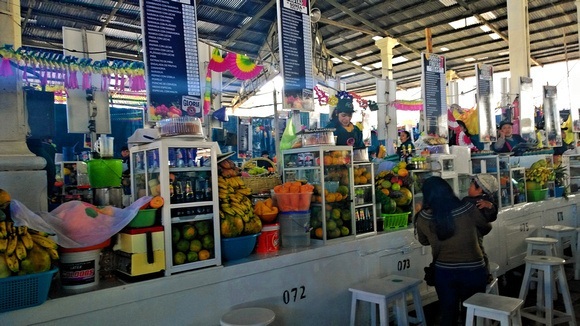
(176, 234)
(192, 256)
(195, 245)
(207, 241)
(182, 245)
(179, 258)
(188, 232)
(330, 225)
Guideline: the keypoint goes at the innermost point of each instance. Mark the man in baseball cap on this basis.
(506, 139)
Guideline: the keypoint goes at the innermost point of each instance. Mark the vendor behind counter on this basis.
(345, 131)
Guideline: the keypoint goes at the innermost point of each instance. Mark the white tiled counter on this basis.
(308, 287)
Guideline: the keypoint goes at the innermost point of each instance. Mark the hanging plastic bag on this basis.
(77, 224)
(288, 136)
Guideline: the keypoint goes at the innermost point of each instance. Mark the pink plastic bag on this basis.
(77, 224)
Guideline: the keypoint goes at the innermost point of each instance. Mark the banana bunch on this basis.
(540, 174)
(233, 195)
(236, 209)
(24, 251)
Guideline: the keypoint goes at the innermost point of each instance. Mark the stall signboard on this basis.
(485, 113)
(171, 59)
(433, 86)
(295, 43)
(551, 118)
(245, 138)
(527, 110)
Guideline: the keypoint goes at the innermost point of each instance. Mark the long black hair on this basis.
(462, 124)
(440, 198)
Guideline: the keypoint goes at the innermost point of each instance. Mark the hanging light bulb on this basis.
(315, 15)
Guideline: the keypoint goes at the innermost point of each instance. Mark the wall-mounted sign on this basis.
(295, 43)
(171, 58)
(433, 85)
(527, 110)
(485, 113)
(551, 117)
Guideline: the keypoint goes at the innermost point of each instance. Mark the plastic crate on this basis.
(17, 292)
(395, 221)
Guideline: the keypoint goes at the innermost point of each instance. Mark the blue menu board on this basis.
(485, 114)
(295, 43)
(433, 85)
(171, 58)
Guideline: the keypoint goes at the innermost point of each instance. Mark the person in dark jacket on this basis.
(506, 139)
(480, 194)
(451, 226)
(345, 131)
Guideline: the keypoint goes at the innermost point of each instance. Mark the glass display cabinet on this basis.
(572, 164)
(330, 170)
(512, 186)
(184, 173)
(364, 198)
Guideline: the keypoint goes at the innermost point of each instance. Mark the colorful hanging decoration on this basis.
(242, 66)
(408, 105)
(322, 96)
(50, 67)
(207, 93)
(7, 52)
(218, 61)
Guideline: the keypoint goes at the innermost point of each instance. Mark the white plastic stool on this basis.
(545, 245)
(563, 234)
(506, 310)
(493, 286)
(388, 289)
(543, 311)
(577, 257)
(248, 317)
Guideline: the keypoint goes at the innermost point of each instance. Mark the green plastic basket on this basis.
(395, 221)
(537, 195)
(17, 292)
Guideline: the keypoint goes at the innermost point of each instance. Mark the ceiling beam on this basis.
(372, 25)
(491, 27)
(111, 15)
(248, 24)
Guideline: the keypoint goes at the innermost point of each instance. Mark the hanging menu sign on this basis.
(171, 58)
(433, 85)
(295, 43)
(485, 114)
(527, 110)
(551, 117)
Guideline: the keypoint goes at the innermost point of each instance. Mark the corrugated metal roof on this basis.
(347, 28)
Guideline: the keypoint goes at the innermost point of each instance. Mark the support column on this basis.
(386, 94)
(577, 3)
(519, 44)
(21, 171)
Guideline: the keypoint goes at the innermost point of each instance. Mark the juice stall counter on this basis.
(302, 286)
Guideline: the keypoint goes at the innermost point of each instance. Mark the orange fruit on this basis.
(403, 172)
(331, 198)
(203, 254)
(318, 233)
(4, 198)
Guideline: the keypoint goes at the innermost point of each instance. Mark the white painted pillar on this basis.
(577, 3)
(519, 44)
(386, 93)
(21, 171)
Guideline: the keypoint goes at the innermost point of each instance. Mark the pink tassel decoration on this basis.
(86, 80)
(5, 69)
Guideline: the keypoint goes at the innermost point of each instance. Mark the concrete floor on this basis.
(510, 284)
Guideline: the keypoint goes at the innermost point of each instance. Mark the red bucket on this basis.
(268, 240)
